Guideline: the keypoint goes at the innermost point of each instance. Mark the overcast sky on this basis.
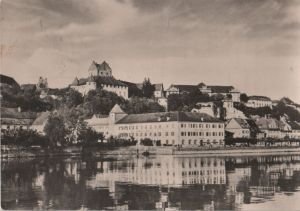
(251, 44)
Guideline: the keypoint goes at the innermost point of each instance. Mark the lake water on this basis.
(165, 182)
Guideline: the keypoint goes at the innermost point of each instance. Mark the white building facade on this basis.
(170, 128)
(259, 101)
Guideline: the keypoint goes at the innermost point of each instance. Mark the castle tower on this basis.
(102, 70)
(115, 115)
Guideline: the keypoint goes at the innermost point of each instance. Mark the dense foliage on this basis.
(55, 131)
(148, 89)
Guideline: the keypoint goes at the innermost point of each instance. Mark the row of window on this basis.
(202, 172)
(150, 134)
(202, 133)
(201, 142)
(114, 86)
(136, 127)
(201, 125)
(204, 181)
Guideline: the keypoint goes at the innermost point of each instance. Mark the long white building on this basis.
(171, 128)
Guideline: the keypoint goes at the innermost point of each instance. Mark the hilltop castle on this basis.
(100, 75)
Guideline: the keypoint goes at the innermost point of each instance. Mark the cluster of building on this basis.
(199, 127)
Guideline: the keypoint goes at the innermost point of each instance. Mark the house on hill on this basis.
(272, 127)
(158, 89)
(100, 76)
(13, 119)
(207, 108)
(239, 127)
(180, 89)
(223, 90)
(295, 130)
(230, 111)
(259, 102)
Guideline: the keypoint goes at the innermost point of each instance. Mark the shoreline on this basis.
(152, 151)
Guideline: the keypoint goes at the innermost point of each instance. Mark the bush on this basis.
(147, 142)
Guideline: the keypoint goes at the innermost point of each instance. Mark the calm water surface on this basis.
(166, 182)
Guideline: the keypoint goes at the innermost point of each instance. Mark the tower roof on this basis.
(75, 82)
(116, 109)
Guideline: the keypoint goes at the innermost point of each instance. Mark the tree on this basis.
(175, 102)
(72, 98)
(244, 98)
(55, 131)
(148, 89)
(89, 137)
(138, 105)
(101, 101)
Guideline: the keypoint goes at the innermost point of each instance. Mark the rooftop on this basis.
(41, 118)
(167, 117)
(294, 125)
(116, 109)
(13, 113)
(100, 67)
(99, 80)
(221, 89)
(182, 87)
(255, 97)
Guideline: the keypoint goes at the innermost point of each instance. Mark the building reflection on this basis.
(170, 183)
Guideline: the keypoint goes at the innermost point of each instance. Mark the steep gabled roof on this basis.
(116, 109)
(75, 82)
(103, 66)
(243, 123)
(95, 66)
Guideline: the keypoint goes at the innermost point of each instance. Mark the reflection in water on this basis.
(148, 183)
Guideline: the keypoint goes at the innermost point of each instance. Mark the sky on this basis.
(253, 45)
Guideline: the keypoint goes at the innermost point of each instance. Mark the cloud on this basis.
(153, 37)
